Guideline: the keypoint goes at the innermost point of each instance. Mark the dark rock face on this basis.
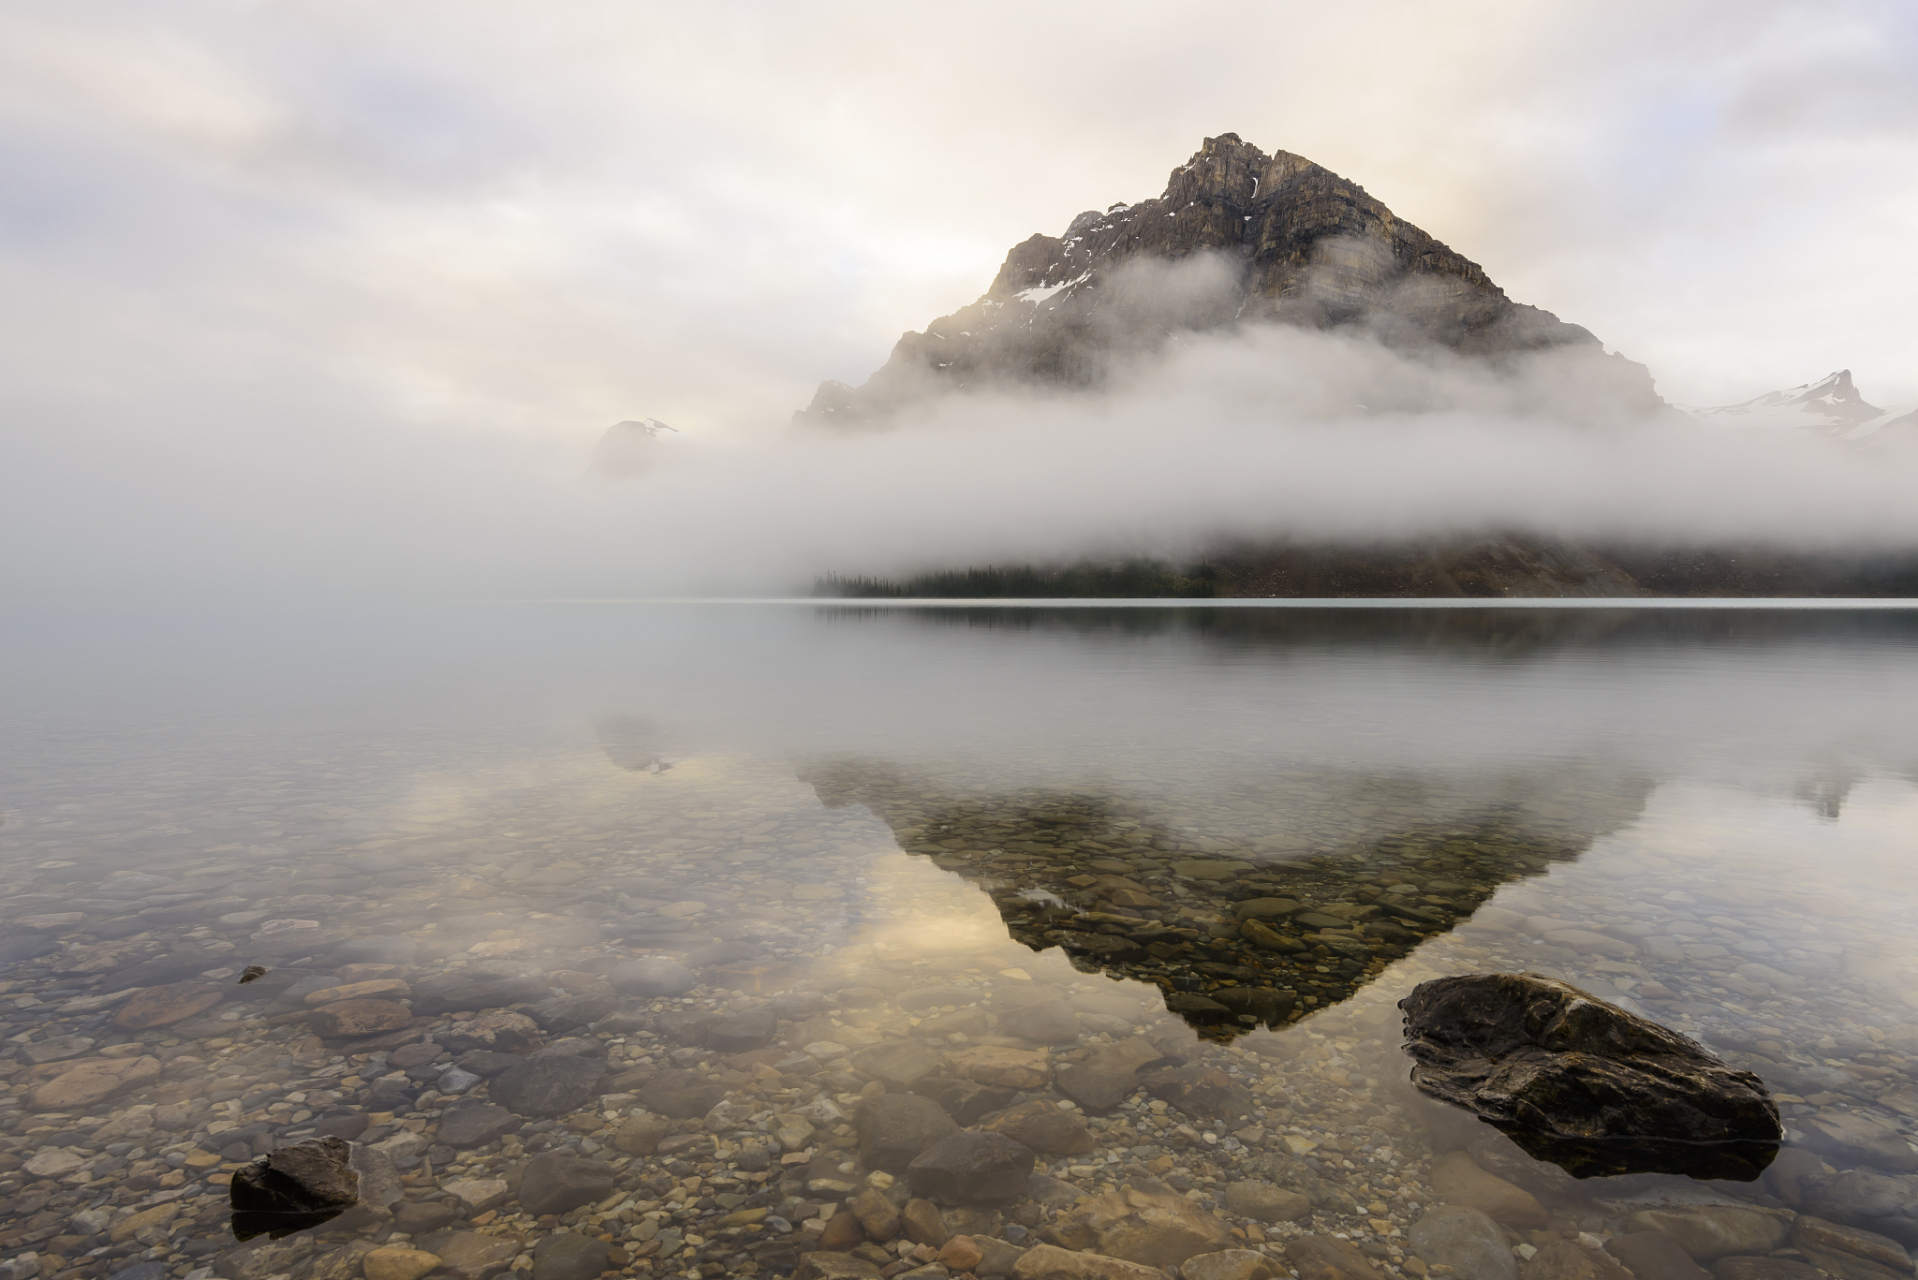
(1266, 238)
(1583, 1083)
(968, 1167)
(554, 1183)
(548, 1086)
(296, 1187)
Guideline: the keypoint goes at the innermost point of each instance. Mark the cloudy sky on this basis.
(246, 238)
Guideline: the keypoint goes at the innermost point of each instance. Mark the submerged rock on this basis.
(300, 1186)
(1585, 1084)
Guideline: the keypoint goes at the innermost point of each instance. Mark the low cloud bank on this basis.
(1272, 433)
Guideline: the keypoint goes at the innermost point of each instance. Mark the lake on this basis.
(665, 938)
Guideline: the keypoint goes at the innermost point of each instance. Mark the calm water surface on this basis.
(673, 892)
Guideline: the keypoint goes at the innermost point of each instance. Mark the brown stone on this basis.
(164, 1006)
(1810, 1233)
(1653, 1255)
(1458, 1180)
(391, 1262)
(1044, 1127)
(1004, 1068)
(1709, 1231)
(93, 1080)
(358, 1018)
(842, 1232)
(386, 988)
(826, 1265)
(1230, 1264)
(1048, 1262)
(1328, 1258)
(130, 1226)
(1203, 1092)
(468, 1255)
(1564, 1260)
(1739, 1268)
(960, 1254)
(877, 1214)
(1156, 1229)
(923, 1223)
(641, 1133)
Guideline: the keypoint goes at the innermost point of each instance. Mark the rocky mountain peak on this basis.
(1272, 238)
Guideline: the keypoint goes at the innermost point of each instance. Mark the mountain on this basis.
(629, 448)
(1239, 237)
(1831, 407)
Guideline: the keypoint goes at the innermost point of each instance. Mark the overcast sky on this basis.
(253, 236)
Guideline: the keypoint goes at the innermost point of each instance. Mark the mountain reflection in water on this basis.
(1287, 909)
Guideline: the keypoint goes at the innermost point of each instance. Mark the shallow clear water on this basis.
(1008, 837)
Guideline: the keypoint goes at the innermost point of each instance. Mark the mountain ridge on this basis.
(1832, 406)
(1265, 239)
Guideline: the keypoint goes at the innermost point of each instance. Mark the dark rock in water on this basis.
(1205, 1092)
(417, 1218)
(1653, 1255)
(742, 1032)
(569, 1256)
(1465, 1240)
(968, 1167)
(563, 1013)
(377, 949)
(485, 1062)
(1737, 1268)
(1263, 1003)
(1047, 1022)
(141, 1271)
(175, 966)
(450, 992)
(1042, 1126)
(964, 1100)
(475, 1124)
(1584, 1084)
(681, 1095)
(554, 1183)
(652, 978)
(688, 1027)
(896, 1127)
(17, 950)
(548, 1086)
(722, 953)
(347, 1125)
(300, 1186)
(1196, 1008)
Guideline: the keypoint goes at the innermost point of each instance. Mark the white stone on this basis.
(54, 1163)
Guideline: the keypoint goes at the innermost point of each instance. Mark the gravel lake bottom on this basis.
(701, 941)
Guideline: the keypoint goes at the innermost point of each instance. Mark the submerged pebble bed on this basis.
(579, 1018)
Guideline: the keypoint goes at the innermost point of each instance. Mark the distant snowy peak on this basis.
(1830, 407)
